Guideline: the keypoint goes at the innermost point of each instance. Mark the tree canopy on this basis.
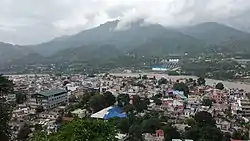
(171, 133)
(123, 100)
(207, 102)
(6, 87)
(204, 128)
(181, 87)
(162, 81)
(81, 130)
(4, 119)
(98, 102)
(201, 81)
(219, 86)
(140, 104)
(109, 98)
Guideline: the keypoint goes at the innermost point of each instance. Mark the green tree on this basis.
(190, 122)
(85, 98)
(239, 135)
(157, 101)
(81, 130)
(135, 133)
(204, 128)
(124, 125)
(204, 118)
(173, 73)
(140, 103)
(5, 112)
(144, 77)
(219, 86)
(97, 103)
(72, 99)
(24, 132)
(162, 81)
(123, 100)
(150, 125)
(181, 87)
(201, 81)
(38, 127)
(41, 136)
(129, 109)
(207, 102)
(191, 80)
(6, 86)
(109, 98)
(171, 133)
(20, 98)
(39, 109)
(204, 133)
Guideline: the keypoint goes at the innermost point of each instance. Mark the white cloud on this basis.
(34, 21)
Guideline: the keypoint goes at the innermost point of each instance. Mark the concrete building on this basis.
(49, 99)
(243, 107)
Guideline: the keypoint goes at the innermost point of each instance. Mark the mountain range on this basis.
(107, 41)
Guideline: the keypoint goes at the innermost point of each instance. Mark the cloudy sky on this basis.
(36, 21)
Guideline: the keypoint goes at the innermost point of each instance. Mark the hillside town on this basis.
(46, 102)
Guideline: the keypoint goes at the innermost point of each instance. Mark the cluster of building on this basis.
(48, 96)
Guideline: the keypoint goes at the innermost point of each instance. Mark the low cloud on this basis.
(35, 21)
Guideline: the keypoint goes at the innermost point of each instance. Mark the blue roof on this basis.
(114, 112)
(110, 112)
(179, 93)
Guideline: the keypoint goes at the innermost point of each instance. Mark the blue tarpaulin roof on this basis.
(179, 93)
(110, 112)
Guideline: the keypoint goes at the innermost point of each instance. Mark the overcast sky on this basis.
(36, 21)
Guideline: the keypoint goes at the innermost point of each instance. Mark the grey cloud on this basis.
(35, 21)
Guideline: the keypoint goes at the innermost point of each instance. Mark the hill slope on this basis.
(86, 53)
(128, 39)
(215, 33)
(9, 52)
(161, 47)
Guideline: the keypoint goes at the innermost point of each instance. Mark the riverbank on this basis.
(212, 82)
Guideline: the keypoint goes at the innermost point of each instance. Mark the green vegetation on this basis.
(214, 67)
(219, 86)
(181, 87)
(201, 81)
(99, 101)
(207, 102)
(204, 129)
(6, 87)
(162, 81)
(81, 130)
(123, 100)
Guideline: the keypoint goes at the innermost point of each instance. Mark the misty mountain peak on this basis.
(213, 32)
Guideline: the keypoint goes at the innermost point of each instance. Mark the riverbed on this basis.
(212, 82)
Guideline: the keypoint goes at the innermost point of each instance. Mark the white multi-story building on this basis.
(49, 99)
(241, 107)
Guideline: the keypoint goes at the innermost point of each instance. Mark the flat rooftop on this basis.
(51, 92)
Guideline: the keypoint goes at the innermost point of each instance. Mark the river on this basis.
(211, 82)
